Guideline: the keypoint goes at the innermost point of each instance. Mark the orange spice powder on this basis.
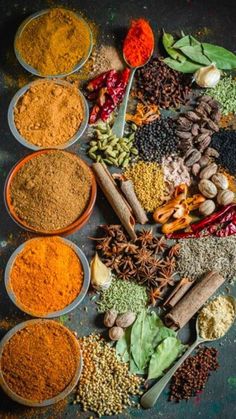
(46, 276)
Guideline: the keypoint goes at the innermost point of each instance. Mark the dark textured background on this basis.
(216, 20)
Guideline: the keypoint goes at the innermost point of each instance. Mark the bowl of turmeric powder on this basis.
(48, 114)
(40, 362)
(53, 42)
(47, 277)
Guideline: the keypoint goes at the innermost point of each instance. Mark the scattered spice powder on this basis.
(104, 58)
(51, 190)
(54, 42)
(46, 276)
(191, 378)
(198, 256)
(226, 120)
(149, 185)
(39, 361)
(106, 384)
(49, 114)
(216, 317)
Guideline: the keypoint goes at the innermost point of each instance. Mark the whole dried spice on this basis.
(144, 114)
(224, 142)
(145, 260)
(157, 140)
(46, 276)
(191, 378)
(51, 190)
(54, 42)
(175, 172)
(159, 84)
(39, 361)
(225, 94)
(49, 114)
(198, 256)
(149, 184)
(106, 385)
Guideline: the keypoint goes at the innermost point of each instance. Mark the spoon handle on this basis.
(150, 397)
(119, 125)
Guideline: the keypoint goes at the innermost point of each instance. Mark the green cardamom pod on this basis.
(125, 163)
(134, 151)
(93, 149)
(92, 155)
(93, 143)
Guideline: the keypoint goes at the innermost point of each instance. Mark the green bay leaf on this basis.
(185, 67)
(187, 40)
(195, 53)
(168, 41)
(123, 346)
(224, 59)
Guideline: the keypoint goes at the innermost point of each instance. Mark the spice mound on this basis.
(54, 42)
(49, 114)
(106, 384)
(51, 190)
(39, 361)
(139, 43)
(46, 276)
(216, 317)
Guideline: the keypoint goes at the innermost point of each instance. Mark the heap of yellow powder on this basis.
(54, 42)
(149, 184)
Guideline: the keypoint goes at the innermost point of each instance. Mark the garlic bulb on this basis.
(207, 76)
(100, 275)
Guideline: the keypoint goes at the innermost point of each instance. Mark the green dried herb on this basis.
(168, 42)
(164, 356)
(225, 93)
(184, 67)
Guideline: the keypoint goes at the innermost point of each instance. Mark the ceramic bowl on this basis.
(69, 307)
(32, 70)
(27, 402)
(65, 231)
(23, 141)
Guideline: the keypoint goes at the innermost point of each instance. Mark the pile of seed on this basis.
(108, 149)
(123, 296)
(106, 384)
(225, 93)
(191, 378)
(224, 142)
(149, 184)
(157, 83)
(199, 256)
(157, 140)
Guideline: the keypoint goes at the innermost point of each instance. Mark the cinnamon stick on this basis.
(194, 300)
(180, 290)
(114, 197)
(127, 188)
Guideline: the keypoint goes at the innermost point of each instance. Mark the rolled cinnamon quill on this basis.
(114, 197)
(127, 188)
(193, 300)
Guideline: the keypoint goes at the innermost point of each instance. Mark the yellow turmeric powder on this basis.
(54, 42)
(46, 276)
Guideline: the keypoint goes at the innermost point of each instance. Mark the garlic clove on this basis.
(207, 76)
(100, 275)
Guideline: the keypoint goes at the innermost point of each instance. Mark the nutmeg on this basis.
(207, 188)
(110, 318)
(220, 181)
(207, 207)
(225, 197)
(208, 171)
(126, 319)
(116, 333)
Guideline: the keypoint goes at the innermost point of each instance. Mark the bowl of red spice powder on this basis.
(50, 192)
(40, 362)
(47, 277)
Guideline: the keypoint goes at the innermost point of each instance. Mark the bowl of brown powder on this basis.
(50, 192)
(48, 114)
(47, 277)
(65, 48)
(46, 373)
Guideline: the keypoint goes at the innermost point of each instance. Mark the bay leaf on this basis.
(195, 53)
(168, 41)
(135, 370)
(163, 333)
(185, 67)
(164, 356)
(224, 59)
(123, 346)
(187, 40)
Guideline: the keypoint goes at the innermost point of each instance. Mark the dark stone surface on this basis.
(217, 21)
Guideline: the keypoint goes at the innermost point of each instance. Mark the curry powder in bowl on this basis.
(49, 191)
(46, 276)
(40, 362)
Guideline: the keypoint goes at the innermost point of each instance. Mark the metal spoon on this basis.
(119, 124)
(150, 397)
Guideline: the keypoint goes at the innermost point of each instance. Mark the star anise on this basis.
(126, 263)
(155, 294)
(174, 250)
(166, 278)
(113, 262)
(104, 246)
(129, 248)
(169, 263)
(114, 230)
(125, 275)
(145, 237)
(158, 245)
(143, 256)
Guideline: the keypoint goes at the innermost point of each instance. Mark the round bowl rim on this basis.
(55, 399)
(77, 224)
(31, 69)
(23, 141)
(70, 307)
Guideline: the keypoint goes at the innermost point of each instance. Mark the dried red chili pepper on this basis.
(98, 81)
(221, 224)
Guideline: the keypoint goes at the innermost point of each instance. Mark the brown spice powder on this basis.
(40, 361)
(49, 114)
(51, 191)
